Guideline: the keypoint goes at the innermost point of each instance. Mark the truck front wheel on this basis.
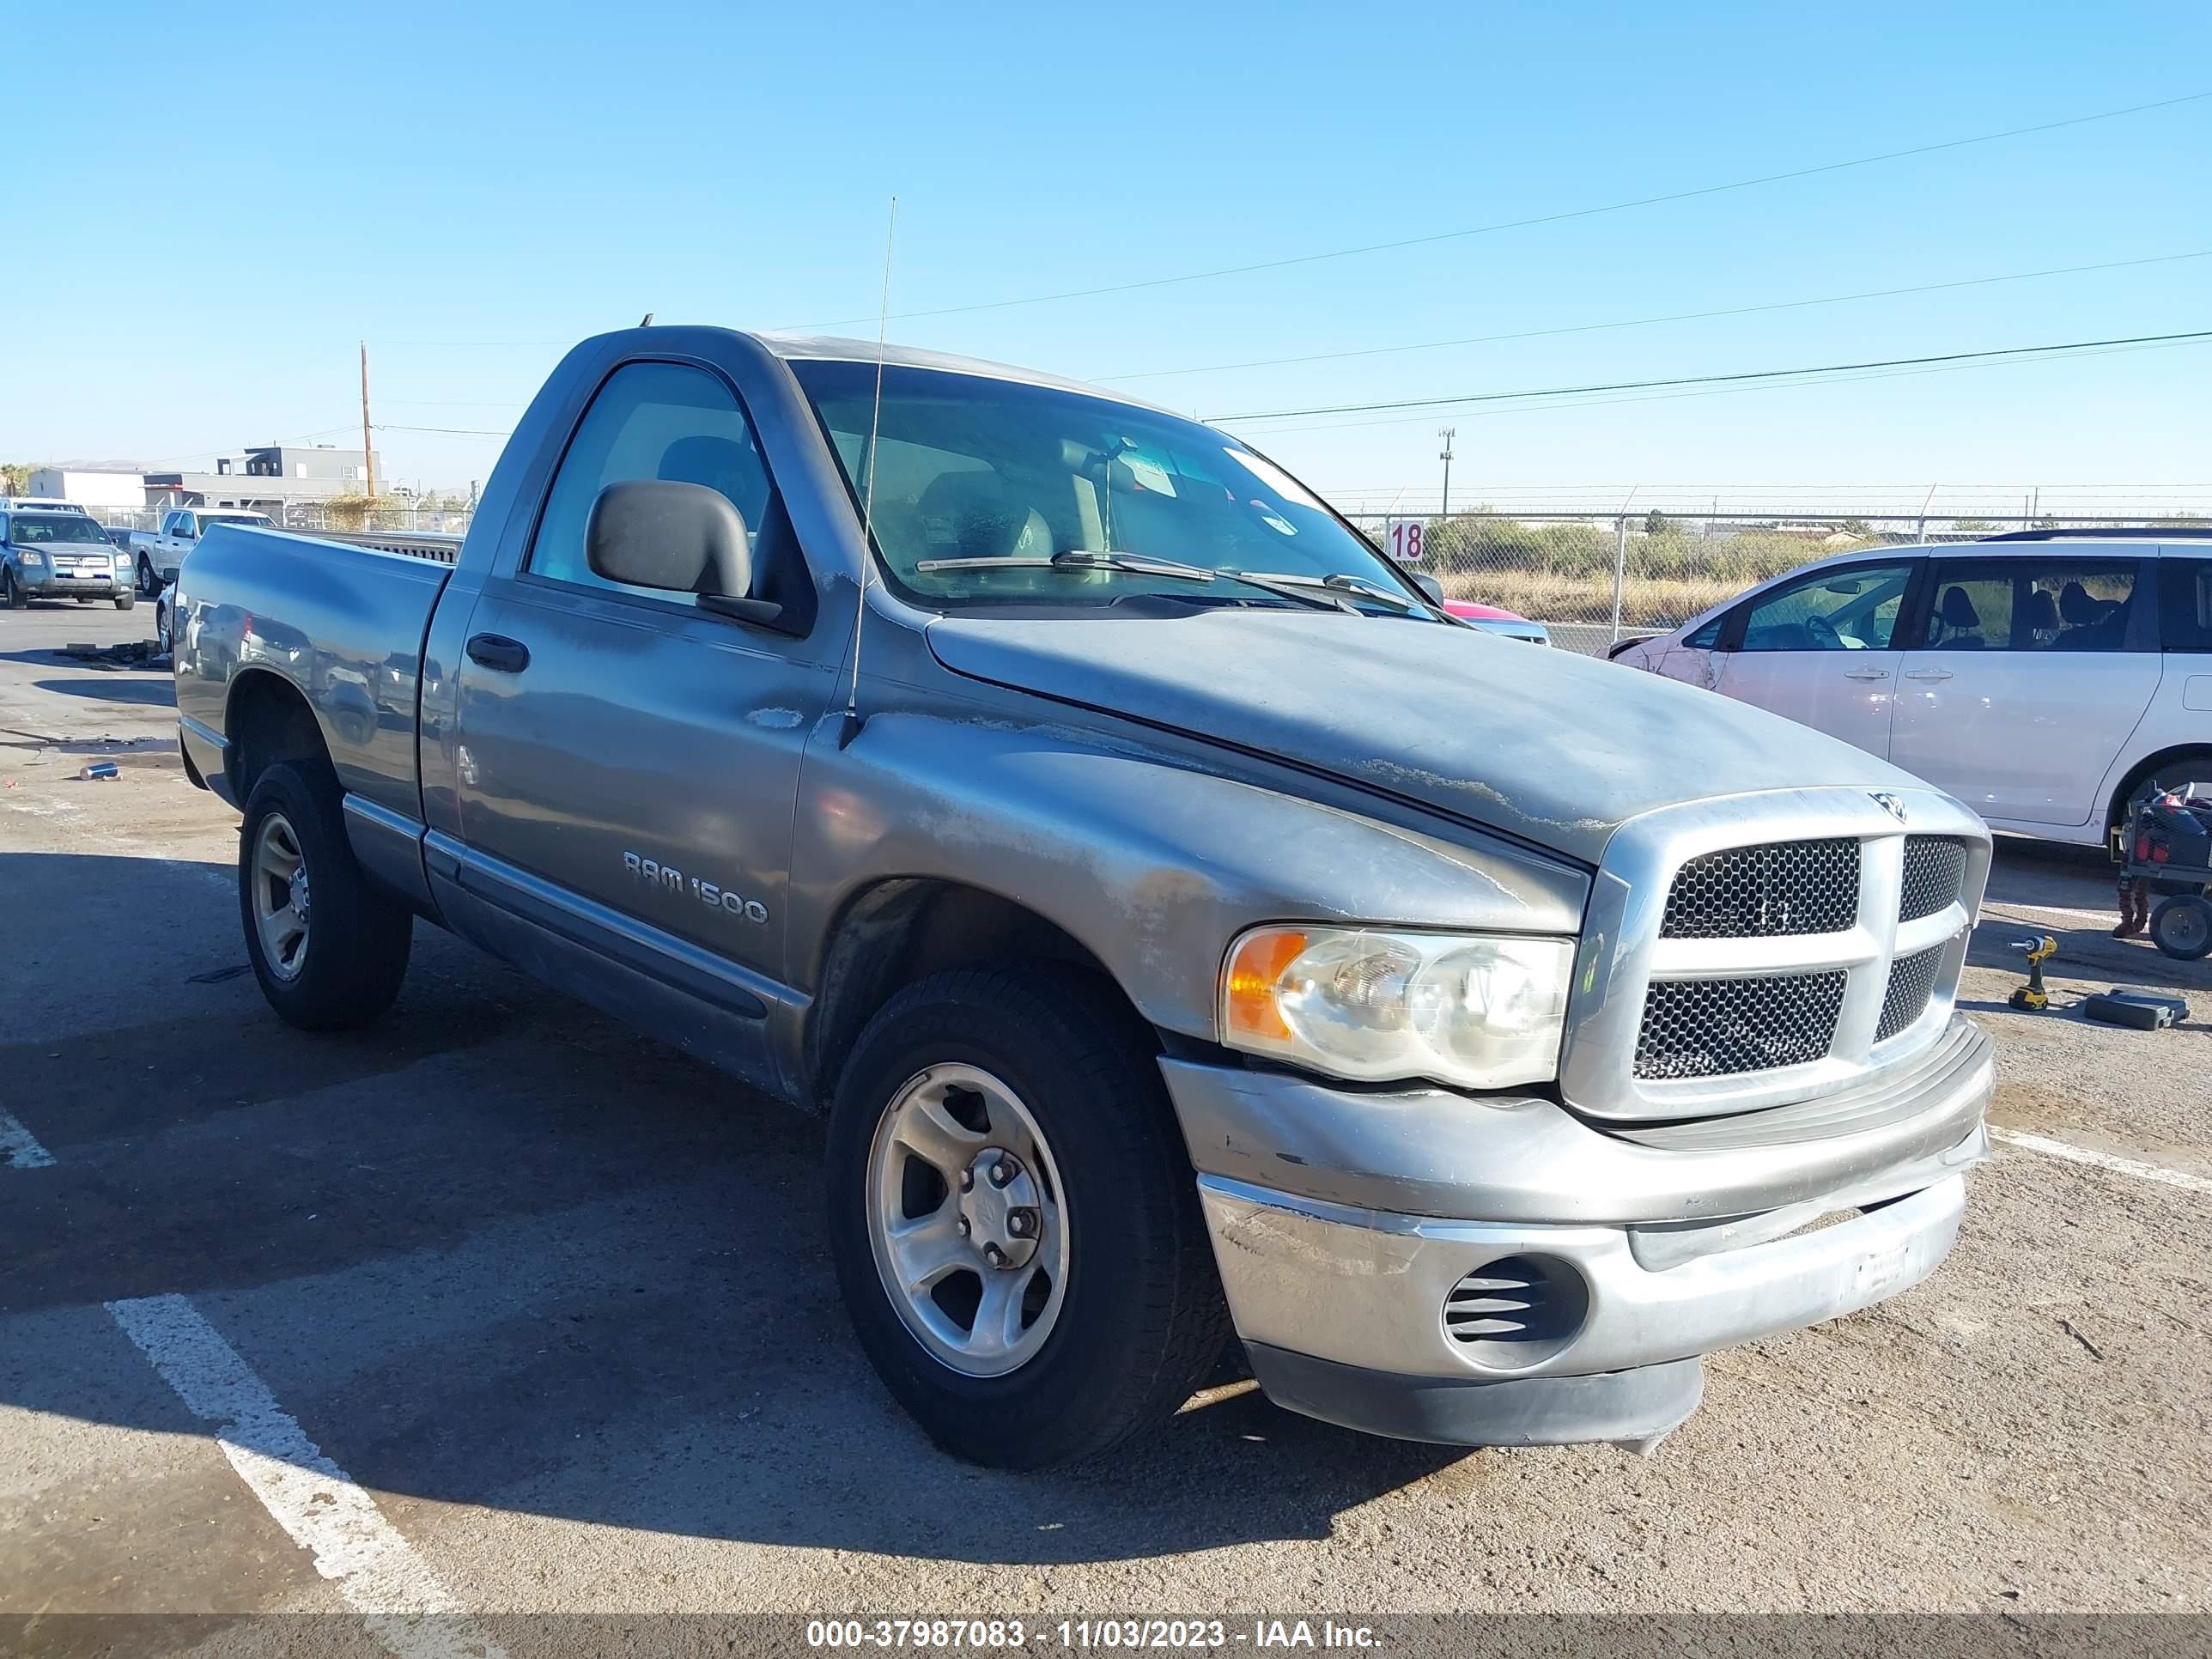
(329, 950)
(1014, 1221)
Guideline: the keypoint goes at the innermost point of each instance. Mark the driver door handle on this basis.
(1867, 674)
(1927, 674)
(497, 651)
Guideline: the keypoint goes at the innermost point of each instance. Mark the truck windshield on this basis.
(27, 528)
(985, 488)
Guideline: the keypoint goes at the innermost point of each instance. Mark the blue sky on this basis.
(236, 200)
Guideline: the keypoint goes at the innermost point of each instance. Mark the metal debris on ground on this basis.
(131, 653)
(99, 772)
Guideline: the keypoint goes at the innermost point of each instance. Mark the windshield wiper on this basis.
(1134, 564)
(1336, 582)
(1139, 564)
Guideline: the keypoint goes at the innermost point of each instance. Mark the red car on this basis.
(1490, 617)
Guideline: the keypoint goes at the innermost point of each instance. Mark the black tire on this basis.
(125, 601)
(7, 589)
(2182, 928)
(1142, 1318)
(147, 583)
(354, 954)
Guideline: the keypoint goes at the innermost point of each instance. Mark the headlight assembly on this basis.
(1483, 1011)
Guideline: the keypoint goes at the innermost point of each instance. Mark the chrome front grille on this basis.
(1719, 1027)
(1911, 982)
(1934, 870)
(1761, 949)
(1762, 892)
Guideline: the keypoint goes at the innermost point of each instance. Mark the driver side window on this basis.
(650, 420)
(1850, 609)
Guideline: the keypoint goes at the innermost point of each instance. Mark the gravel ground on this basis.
(557, 1299)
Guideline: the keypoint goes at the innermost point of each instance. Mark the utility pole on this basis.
(1447, 433)
(367, 451)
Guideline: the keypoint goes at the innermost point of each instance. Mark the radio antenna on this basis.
(851, 726)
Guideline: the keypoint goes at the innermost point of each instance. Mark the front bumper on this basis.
(49, 585)
(1657, 1245)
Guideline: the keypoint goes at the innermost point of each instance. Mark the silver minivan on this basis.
(2046, 678)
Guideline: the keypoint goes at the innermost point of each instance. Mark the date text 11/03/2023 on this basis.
(1088, 1634)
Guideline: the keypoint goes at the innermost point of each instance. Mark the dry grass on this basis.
(1547, 596)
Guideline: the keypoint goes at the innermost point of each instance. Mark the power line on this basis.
(1545, 408)
(1645, 322)
(1709, 379)
(1524, 224)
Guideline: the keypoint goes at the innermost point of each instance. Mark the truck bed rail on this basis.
(414, 544)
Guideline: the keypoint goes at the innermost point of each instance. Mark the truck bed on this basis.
(342, 622)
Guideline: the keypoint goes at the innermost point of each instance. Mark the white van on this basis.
(2044, 678)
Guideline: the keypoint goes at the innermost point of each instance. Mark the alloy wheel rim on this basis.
(967, 1220)
(280, 896)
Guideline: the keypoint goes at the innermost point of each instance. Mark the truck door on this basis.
(628, 763)
(1819, 649)
(2030, 674)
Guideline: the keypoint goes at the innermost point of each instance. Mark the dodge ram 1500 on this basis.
(1184, 926)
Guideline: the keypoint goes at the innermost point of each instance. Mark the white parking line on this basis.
(2127, 1166)
(2105, 917)
(375, 1570)
(19, 1147)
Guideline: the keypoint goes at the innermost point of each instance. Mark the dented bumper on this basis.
(1565, 1288)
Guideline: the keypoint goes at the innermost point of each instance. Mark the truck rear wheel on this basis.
(329, 950)
(1014, 1221)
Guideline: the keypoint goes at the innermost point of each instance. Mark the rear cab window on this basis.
(2064, 604)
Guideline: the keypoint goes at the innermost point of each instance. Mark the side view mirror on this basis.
(679, 539)
(1429, 586)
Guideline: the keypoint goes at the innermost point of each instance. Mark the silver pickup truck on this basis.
(158, 553)
(1184, 926)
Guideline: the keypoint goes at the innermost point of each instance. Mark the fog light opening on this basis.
(1515, 1312)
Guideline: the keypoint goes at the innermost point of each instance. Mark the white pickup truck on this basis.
(159, 553)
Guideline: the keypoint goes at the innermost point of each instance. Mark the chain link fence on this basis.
(1592, 580)
(393, 514)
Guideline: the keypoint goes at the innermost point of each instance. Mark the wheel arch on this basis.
(900, 929)
(2144, 769)
(267, 718)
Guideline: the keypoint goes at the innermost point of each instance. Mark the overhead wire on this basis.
(1460, 400)
(1647, 322)
(1526, 223)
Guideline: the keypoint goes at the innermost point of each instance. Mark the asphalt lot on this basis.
(557, 1300)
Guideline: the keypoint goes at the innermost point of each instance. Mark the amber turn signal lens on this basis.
(1254, 971)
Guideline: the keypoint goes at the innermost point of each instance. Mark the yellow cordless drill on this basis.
(2031, 996)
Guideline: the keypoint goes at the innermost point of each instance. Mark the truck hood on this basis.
(1554, 748)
